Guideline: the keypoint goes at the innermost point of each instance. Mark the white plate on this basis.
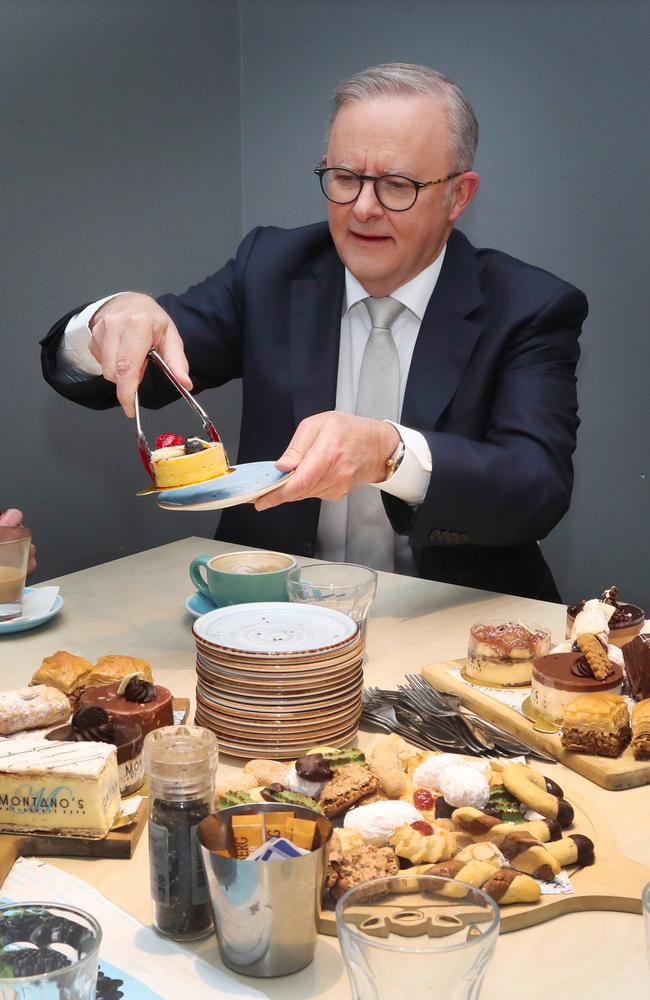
(269, 627)
(243, 485)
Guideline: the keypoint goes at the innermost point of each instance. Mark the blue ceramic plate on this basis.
(198, 605)
(21, 624)
(243, 485)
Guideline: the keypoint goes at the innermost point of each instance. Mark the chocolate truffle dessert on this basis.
(560, 677)
(636, 655)
(92, 725)
(133, 700)
(626, 622)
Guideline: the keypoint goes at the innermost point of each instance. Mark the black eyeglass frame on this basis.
(418, 185)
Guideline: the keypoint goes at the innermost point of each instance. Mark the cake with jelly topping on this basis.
(558, 678)
(625, 623)
(133, 700)
(185, 463)
(502, 653)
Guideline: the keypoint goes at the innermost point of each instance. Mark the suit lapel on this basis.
(446, 338)
(316, 304)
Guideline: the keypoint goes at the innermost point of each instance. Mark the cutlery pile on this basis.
(436, 721)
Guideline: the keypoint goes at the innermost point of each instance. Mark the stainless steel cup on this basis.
(265, 912)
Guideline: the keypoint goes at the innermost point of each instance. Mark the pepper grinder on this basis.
(180, 762)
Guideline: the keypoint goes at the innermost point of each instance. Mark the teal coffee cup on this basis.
(242, 577)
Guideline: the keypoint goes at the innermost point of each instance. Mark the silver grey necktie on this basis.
(369, 538)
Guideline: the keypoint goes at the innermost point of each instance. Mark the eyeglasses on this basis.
(394, 191)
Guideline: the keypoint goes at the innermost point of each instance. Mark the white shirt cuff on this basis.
(74, 361)
(410, 481)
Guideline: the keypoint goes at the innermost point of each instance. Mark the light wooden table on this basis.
(136, 605)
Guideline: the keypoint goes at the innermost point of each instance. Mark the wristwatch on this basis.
(395, 460)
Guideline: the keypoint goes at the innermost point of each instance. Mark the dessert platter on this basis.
(585, 700)
(500, 826)
(71, 762)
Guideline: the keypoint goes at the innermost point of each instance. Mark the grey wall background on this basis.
(146, 136)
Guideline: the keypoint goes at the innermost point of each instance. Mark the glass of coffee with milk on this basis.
(14, 555)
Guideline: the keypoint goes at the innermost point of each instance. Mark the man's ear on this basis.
(465, 189)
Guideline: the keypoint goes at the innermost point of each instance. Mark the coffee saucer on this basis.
(244, 484)
(21, 624)
(198, 604)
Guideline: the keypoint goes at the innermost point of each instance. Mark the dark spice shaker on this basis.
(180, 762)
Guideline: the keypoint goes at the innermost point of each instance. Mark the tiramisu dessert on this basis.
(558, 678)
(625, 623)
(92, 725)
(636, 655)
(597, 723)
(177, 462)
(502, 653)
(133, 700)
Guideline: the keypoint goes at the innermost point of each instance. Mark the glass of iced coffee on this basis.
(14, 555)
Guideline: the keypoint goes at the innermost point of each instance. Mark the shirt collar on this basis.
(415, 294)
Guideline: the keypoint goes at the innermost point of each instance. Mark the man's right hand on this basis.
(123, 331)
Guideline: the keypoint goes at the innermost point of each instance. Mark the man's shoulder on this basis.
(499, 272)
(290, 248)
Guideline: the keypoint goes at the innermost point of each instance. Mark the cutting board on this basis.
(613, 773)
(120, 843)
(613, 882)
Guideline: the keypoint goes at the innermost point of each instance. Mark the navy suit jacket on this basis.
(492, 387)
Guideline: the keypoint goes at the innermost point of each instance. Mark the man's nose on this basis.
(367, 205)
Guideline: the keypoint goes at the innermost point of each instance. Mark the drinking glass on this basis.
(422, 936)
(342, 586)
(645, 899)
(46, 935)
(14, 556)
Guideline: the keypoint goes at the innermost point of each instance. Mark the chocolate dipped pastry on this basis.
(641, 730)
(502, 653)
(92, 725)
(636, 655)
(596, 724)
(133, 700)
(625, 623)
(560, 677)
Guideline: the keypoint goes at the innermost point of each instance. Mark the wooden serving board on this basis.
(120, 843)
(613, 773)
(613, 882)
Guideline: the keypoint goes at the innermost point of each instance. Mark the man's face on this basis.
(394, 135)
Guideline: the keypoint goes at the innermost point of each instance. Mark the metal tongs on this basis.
(208, 426)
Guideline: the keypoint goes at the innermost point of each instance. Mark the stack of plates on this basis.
(276, 679)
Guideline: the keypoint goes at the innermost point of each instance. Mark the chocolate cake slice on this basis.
(636, 655)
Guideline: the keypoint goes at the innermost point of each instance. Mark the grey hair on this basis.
(395, 79)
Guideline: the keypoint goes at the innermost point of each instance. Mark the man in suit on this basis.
(383, 357)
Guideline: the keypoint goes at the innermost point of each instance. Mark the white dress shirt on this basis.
(411, 480)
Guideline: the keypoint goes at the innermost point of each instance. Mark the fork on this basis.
(389, 706)
(438, 701)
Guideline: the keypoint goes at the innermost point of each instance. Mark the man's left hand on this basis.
(330, 454)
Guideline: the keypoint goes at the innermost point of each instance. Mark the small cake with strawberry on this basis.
(177, 462)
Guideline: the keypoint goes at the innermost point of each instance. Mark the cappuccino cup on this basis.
(242, 577)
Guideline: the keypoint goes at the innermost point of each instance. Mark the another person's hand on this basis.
(123, 330)
(13, 518)
(330, 454)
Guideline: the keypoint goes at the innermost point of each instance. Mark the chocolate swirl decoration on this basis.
(581, 668)
(92, 725)
(139, 690)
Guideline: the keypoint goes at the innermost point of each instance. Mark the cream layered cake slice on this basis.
(70, 789)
